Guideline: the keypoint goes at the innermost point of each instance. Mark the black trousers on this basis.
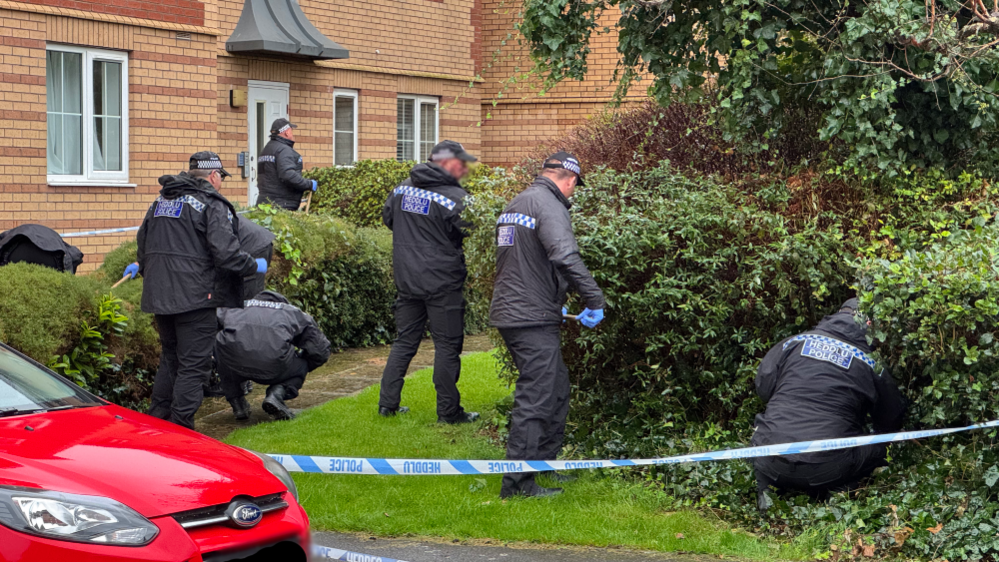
(188, 341)
(841, 472)
(541, 401)
(291, 379)
(446, 315)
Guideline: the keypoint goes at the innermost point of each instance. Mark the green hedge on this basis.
(358, 193)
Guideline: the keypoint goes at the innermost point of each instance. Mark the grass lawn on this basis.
(596, 510)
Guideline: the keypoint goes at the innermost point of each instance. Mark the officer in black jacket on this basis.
(271, 342)
(424, 214)
(279, 169)
(189, 255)
(259, 243)
(537, 261)
(823, 385)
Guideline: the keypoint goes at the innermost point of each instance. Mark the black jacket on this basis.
(537, 261)
(34, 243)
(279, 175)
(816, 388)
(259, 243)
(424, 214)
(188, 249)
(260, 340)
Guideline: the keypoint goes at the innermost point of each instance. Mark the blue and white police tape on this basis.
(99, 232)
(325, 552)
(419, 467)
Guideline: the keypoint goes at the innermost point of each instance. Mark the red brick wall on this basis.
(188, 12)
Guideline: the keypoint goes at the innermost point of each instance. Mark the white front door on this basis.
(266, 102)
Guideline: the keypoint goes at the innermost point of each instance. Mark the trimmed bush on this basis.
(358, 193)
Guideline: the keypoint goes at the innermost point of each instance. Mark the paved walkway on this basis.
(485, 551)
(346, 373)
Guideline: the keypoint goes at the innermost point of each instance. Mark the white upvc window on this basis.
(416, 125)
(87, 115)
(344, 127)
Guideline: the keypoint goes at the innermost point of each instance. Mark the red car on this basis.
(84, 480)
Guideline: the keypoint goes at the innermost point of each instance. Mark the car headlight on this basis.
(71, 517)
(278, 469)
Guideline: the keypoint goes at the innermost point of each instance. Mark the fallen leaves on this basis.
(935, 530)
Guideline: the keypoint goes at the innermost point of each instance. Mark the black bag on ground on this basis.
(34, 243)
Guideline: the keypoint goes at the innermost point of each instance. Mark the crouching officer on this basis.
(537, 261)
(271, 342)
(823, 385)
(190, 257)
(424, 215)
(280, 169)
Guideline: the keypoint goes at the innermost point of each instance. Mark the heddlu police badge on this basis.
(504, 235)
(828, 352)
(169, 208)
(414, 204)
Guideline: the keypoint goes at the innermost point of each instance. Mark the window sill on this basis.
(84, 183)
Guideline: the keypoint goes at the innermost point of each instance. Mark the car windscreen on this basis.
(25, 386)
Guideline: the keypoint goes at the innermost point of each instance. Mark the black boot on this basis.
(240, 408)
(530, 490)
(389, 412)
(274, 404)
(559, 477)
(464, 417)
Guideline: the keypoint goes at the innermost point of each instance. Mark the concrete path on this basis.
(346, 373)
(412, 550)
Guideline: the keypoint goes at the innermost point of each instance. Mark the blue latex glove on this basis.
(315, 185)
(564, 312)
(261, 265)
(590, 318)
(131, 271)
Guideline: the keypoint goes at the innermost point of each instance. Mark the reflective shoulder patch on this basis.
(267, 158)
(263, 304)
(424, 194)
(831, 350)
(170, 208)
(518, 219)
(827, 352)
(414, 204)
(505, 235)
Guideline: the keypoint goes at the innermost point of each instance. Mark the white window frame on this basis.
(417, 125)
(89, 176)
(341, 93)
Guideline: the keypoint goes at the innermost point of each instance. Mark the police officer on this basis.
(537, 261)
(259, 243)
(271, 342)
(189, 255)
(823, 385)
(424, 214)
(279, 169)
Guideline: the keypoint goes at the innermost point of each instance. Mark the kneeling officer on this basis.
(271, 342)
(823, 385)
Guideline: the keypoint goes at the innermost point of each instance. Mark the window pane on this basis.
(428, 129)
(72, 75)
(53, 81)
(107, 88)
(64, 93)
(406, 130)
(344, 110)
(343, 154)
(107, 117)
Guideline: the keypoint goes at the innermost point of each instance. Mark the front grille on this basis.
(284, 551)
(216, 514)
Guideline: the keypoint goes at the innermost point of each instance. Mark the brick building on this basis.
(98, 99)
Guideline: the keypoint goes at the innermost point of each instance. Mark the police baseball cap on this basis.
(450, 149)
(565, 161)
(207, 160)
(281, 125)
